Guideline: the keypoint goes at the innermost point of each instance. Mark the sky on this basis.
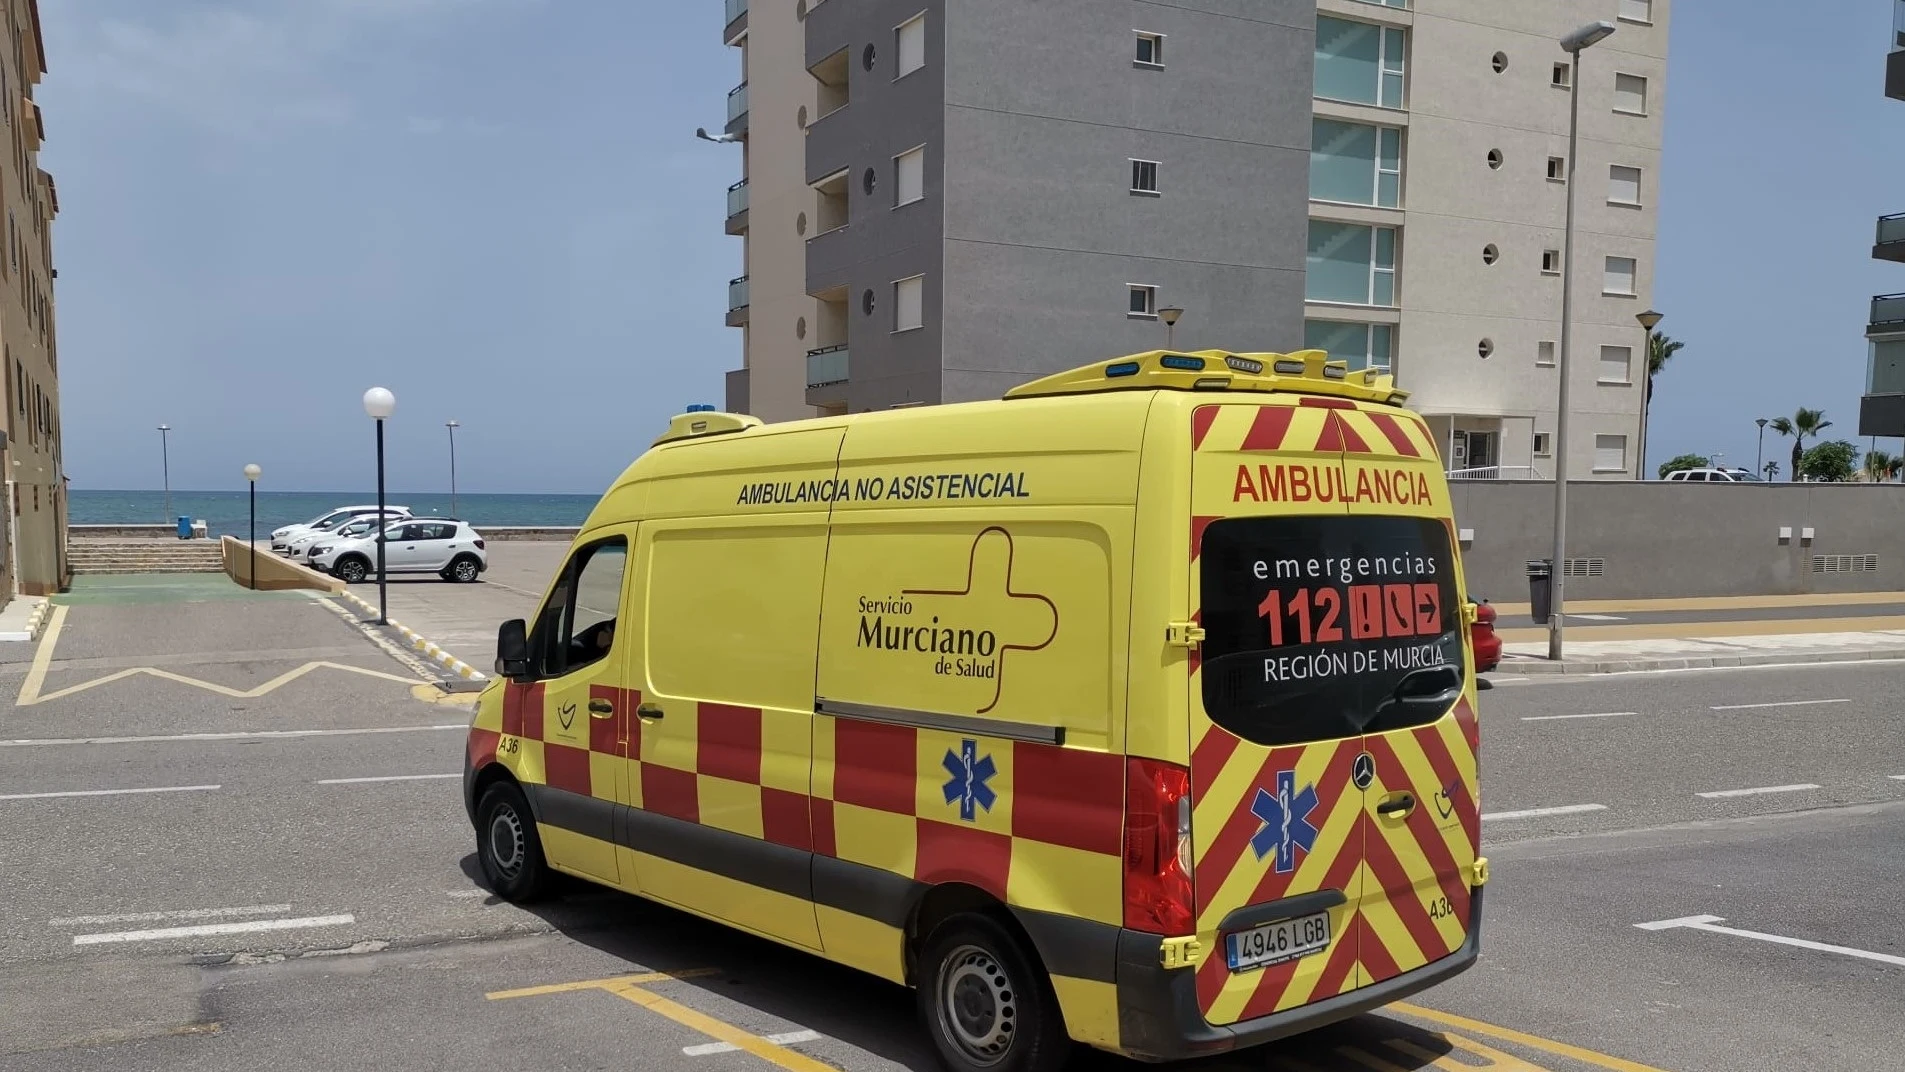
(498, 210)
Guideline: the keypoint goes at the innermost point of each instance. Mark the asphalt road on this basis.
(322, 856)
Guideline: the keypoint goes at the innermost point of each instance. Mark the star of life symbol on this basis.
(969, 774)
(1286, 821)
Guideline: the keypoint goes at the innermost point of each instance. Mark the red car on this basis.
(1488, 646)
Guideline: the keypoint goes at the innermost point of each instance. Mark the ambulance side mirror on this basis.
(512, 649)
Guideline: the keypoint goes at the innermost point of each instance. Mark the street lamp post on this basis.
(165, 468)
(452, 426)
(1759, 458)
(1169, 315)
(251, 478)
(1648, 321)
(1574, 44)
(380, 404)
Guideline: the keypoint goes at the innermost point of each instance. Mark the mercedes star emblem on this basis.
(1363, 771)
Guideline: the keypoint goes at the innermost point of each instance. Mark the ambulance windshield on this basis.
(1325, 627)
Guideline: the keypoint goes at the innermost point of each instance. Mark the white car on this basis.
(441, 545)
(1714, 475)
(300, 545)
(282, 537)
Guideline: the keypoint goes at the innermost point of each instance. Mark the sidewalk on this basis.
(1679, 653)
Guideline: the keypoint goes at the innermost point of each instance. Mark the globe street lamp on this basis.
(1169, 315)
(1574, 44)
(379, 403)
(251, 478)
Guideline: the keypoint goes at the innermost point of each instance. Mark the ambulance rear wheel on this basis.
(985, 1003)
(507, 845)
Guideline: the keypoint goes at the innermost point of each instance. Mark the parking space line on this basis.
(785, 1038)
(1896, 777)
(1720, 794)
(792, 1060)
(1537, 813)
(201, 930)
(110, 792)
(1557, 718)
(385, 778)
(599, 984)
(1707, 923)
(152, 917)
(234, 735)
(1509, 1034)
(1782, 703)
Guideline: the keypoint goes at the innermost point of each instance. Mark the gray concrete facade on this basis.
(1656, 539)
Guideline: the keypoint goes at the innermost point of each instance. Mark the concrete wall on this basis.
(1668, 540)
(275, 573)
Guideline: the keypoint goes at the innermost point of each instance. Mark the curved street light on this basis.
(252, 473)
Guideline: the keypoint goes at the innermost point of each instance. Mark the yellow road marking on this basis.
(429, 693)
(771, 1052)
(1509, 1034)
(1703, 630)
(42, 658)
(599, 984)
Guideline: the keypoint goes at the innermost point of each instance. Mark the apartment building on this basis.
(1882, 408)
(995, 191)
(35, 554)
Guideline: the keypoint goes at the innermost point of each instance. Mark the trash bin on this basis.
(185, 528)
(1541, 589)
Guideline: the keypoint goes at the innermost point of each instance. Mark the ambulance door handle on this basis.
(1399, 804)
(649, 711)
(601, 709)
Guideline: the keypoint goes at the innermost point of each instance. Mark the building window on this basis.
(1150, 49)
(1362, 345)
(1544, 354)
(908, 312)
(909, 176)
(1358, 62)
(910, 39)
(1144, 300)
(1551, 262)
(1630, 94)
(1355, 164)
(1561, 75)
(1144, 176)
(1389, 3)
(1637, 10)
(1557, 169)
(1610, 454)
(1617, 364)
(1623, 185)
(1618, 277)
(1351, 263)
(1544, 444)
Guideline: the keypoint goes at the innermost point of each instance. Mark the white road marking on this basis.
(1721, 793)
(1706, 923)
(1782, 703)
(109, 792)
(250, 926)
(1557, 718)
(1597, 617)
(1536, 813)
(1896, 777)
(466, 893)
(153, 917)
(786, 1039)
(237, 735)
(385, 778)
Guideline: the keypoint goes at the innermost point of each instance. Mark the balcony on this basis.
(1889, 243)
(737, 208)
(737, 109)
(827, 365)
(737, 400)
(1888, 315)
(737, 302)
(1895, 59)
(736, 26)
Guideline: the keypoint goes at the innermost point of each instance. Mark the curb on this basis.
(1531, 665)
(417, 642)
(37, 621)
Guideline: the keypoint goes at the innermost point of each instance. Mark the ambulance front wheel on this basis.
(507, 845)
(985, 1003)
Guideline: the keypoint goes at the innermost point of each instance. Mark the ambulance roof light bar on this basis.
(1301, 372)
(701, 420)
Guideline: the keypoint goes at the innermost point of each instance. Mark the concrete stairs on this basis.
(145, 556)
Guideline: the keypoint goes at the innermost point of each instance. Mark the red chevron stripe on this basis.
(1233, 839)
(1391, 430)
(1201, 419)
(1467, 808)
(1471, 724)
(1375, 956)
(1199, 523)
(1341, 869)
(1399, 892)
(1420, 825)
(1208, 759)
(1268, 429)
(1338, 436)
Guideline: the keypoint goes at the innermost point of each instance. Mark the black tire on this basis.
(507, 846)
(351, 569)
(986, 1004)
(464, 570)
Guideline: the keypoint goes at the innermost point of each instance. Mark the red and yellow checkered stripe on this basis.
(1311, 425)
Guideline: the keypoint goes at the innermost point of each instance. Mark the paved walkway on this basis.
(1669, 653)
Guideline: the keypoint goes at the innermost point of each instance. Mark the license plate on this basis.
(1274, 943)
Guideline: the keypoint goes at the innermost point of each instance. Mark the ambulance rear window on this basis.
(1325, 627)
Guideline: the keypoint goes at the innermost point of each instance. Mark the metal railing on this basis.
(1497, 472)
(827, 365)
(737, 293)
(1891, 229)
(737, 198)
(736, 9)
(737, 102)
(1888, 309)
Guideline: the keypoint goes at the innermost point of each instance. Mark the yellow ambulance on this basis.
(1134, 709)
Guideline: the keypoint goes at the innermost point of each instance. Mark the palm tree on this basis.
(1805, 422)
(1772, 470)
(1881, 466)
(1660, 350)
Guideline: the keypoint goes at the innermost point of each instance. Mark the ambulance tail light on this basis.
(1157, 848)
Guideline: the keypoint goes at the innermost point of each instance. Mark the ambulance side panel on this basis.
(971, 697)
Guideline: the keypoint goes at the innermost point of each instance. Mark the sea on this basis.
(226, 512)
